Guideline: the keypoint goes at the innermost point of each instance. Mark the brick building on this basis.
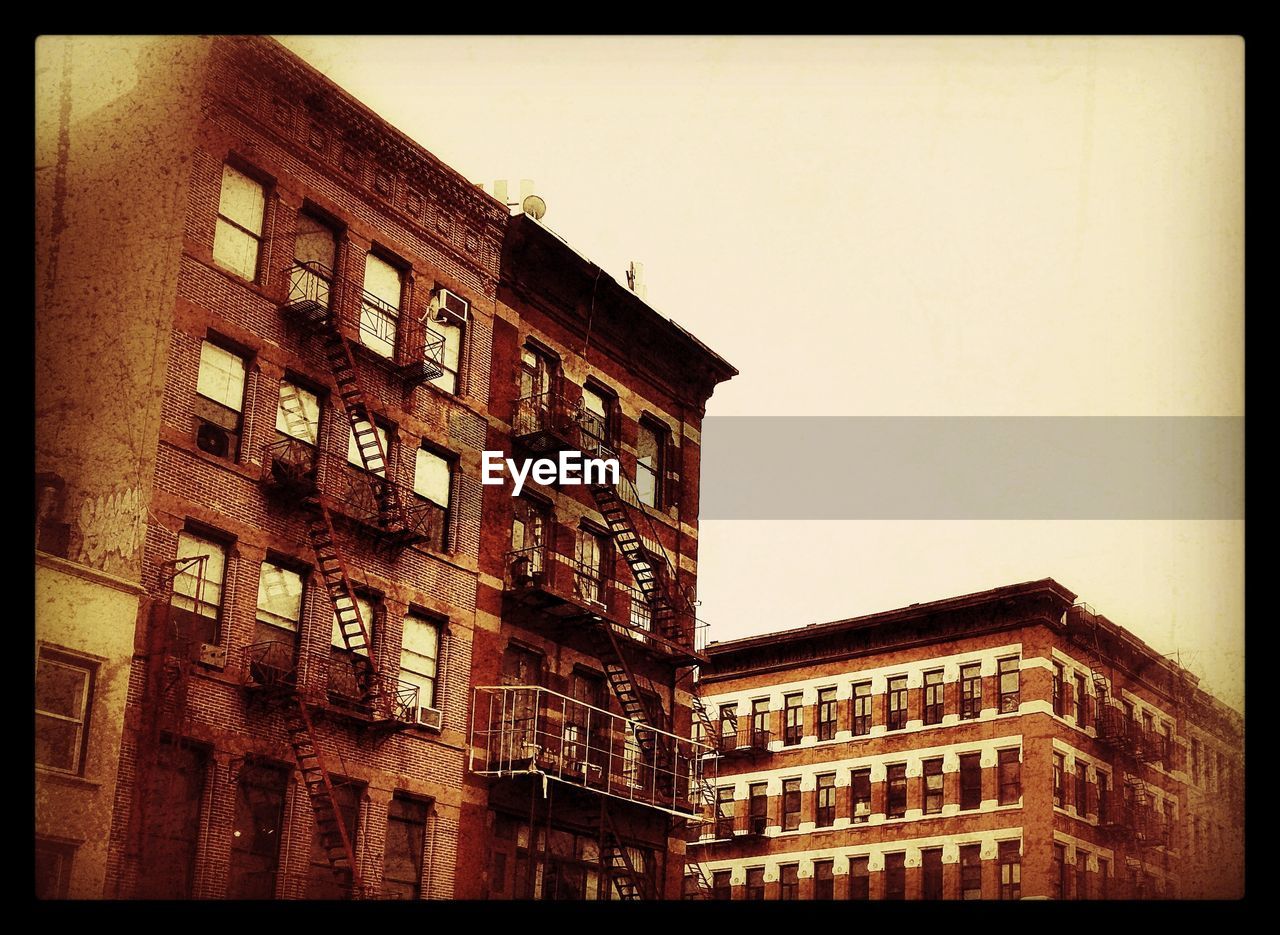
(261, 465)
(581, 768)
(1006, 744)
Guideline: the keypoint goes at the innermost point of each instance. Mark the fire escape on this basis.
(1131, 819)
(654, 615)
(347, 682)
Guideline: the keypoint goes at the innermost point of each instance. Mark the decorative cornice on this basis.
(276, 89)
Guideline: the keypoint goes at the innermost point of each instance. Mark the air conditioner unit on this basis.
(213, 655)
(428, 717)
(453, 309)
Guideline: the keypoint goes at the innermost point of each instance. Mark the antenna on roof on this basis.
(529, 203)
(635, 279)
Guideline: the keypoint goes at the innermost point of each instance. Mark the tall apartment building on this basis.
(269, 323)
(582, 774)
(1001, 745)
(274, 337)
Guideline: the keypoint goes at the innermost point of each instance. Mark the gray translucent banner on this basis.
(818, 467)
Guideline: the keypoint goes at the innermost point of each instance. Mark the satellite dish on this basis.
(534, 206)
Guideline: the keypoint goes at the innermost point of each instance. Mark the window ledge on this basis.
(69, 779)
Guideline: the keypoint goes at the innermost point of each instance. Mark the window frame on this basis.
(216, 413)
(931, 873)
(257, 237)
(860, 877)
(1009, 856)
(439, 625)
(444, 510)
(824, 879)
(757, 807)
(1059, 702)
(933, 799)
(827, 711)
(970, 780)
(824, 815)
(1080, 701)
(895, 875)
(1059, 779)
(860, 779)
(934, 697)
(895, 798)
(460, 322)
(661, 433)
(791, 804)
(407, 803)
(896, 703)
(788, 889)
(1009, 775)
(861, 724)
(970, 691)
(52, 655)
(1009, 667)
(970, 871)
(792, 719)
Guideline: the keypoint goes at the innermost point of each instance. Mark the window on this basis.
(790, 804)
(219, 401)
(1104, 874)
(859, 878)
(1167, 828)
(755, 883)
(380, 305)
(861, 709)
(826, 713)
(587, 688)
(1195, 761)
(933, 787)
(1008, 670)
(53, 868)
(197, 591)
(1058, 876)
(897, 703)
(895, 876)
(970, 780)
(794, 728)
(255, 835)
(651, 443)
(970, 871)
(348, 668)
(1081, 709)
(1221, 769)
(789, 878)
(826, 811)
(1082, 874)
(931, 873)
(729, 726)
(279, 606)
(722, 884)
(406, 836)
(1082, 787)
(1059, 703)
(970, 691)
(896, 776)
(1059, 791)
(368, 459)
(759, 721)
(1010, 768)
(758, 807)
(933, 697)
(528, 536)
(238, 235)
(860, 790)
(298, 414)
(323, 880)
(724, 812)
(64, 694)
(432, 481)
(1104, 797)
(824, 880)
(419, 655)
(596, 418)
(1009, 855)
(366, 609)
(537, 371)
(589, 552)
(316, 246)
(451, 322)
(167, 867)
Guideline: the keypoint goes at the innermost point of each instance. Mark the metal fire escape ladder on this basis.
(329, 823)
(624, 684)
(614, 856)
(337, 584)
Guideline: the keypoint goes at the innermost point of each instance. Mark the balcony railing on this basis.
(411, 347)
(294, 468)
(745, 740)
(337, 678)
(546, 422)
(530, 730)
(539, 570)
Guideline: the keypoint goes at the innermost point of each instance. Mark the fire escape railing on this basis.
(314, 290)
(530, 730)
(328, 678)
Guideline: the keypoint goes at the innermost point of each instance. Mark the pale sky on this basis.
(895, 226)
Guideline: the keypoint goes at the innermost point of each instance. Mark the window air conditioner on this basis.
(428, 717)
(452, 309)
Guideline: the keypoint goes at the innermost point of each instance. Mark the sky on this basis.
(892, 227)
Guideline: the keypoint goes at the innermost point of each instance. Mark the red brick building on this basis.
(581, 774)
(305, 331)
(1000, 745)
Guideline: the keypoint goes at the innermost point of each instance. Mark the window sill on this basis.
(44, 772)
